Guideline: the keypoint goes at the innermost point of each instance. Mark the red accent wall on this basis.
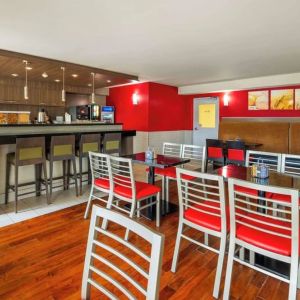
(160, 108)
(135, 117)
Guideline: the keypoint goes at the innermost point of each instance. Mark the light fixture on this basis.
(29, 68)
(226, 100)
(14, 74)
(26, 87)
(56, 80)
(108, 81)
(134, 81)
(63, 92)
(89, 84)
(75, 75)
(93, 85)
(135, 98)
(44, 75)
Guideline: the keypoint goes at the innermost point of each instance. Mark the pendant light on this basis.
(63, 92)
(26, 87)
(93, 85)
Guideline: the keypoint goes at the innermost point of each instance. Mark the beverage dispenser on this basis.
(108, 114)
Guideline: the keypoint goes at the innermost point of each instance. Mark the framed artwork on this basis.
(282, 99)
(258, 100)
(297, 99)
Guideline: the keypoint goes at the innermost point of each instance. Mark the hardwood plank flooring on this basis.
(42, 258)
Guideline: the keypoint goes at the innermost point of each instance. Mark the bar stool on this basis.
(111, 143)
(62, 148)
(29, 151)
(87, 142)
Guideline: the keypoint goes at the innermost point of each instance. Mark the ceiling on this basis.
(47, 70)
(170, 41)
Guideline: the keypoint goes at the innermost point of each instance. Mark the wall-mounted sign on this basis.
(207, 115)
(282, 99)
(258, 100)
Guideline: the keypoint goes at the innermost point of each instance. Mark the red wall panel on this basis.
(134, 117)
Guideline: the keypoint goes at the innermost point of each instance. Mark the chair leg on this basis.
(75, 175)
(7, 176)
(158, 210)
(132, 211)
(108, 206)
(80, 174)
(298, 280)
(138, 212)
(293, 277)
(252, 257)
(206, 239)
(219, 267)
(167, 189)
(68, 172)
(163, 184)
(16, 187)
(88, 206)
(64, 174)
(229, 269)
(51, 176)
(177, 246)
(46, 183)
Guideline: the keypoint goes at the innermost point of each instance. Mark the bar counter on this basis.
(9, 133)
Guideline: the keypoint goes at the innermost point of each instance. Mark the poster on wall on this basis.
(258, 100)
(282, 99)
(297, 99)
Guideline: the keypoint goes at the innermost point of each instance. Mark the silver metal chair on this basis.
(290, 164)
(253, 228)
(100, 242)
(202, 207)
(273, 160)
(99, 165)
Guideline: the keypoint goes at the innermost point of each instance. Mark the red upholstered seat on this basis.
(236, 154)
(279, 197)
(267, 241)
(204, 219)
(102, 183)
(215, 152)
(143, 190)
(170, 172)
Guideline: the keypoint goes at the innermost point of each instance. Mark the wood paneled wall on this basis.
(282, 137)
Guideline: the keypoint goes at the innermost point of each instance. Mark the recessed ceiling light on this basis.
(89, 84)
(29, 68)
(133, 80)
(108, 81)
(14, 74)
(75, 75)
(56, 80)
(44, 75)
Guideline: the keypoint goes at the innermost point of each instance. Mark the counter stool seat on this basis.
(29, 151)
(62, 148)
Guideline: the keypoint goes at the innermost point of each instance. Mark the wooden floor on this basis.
(43, 258)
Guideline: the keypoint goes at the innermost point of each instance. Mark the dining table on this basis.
(159, 161)
(275, 179)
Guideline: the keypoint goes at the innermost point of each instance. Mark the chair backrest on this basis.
(62, 146)
(235, 151)
(214, 148)
(290, 164)
(122, 175)
(273, 160)
(202, 192)
(30, 151)
(105, 247)
(172, 149)
(250, 211)
(100, 166)
(89, 142)
(111, 143)
(196, 154)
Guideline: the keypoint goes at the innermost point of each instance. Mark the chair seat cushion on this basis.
(143, 190)
(279, 197)
(264, 240)
(246, 190)
(204, 219)
(169, 172)
(102, 183)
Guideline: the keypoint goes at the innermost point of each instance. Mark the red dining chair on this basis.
(236, 153)
(99, 165)
(268, 235)
(124, 188)
(214, 153)
(202, 207)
